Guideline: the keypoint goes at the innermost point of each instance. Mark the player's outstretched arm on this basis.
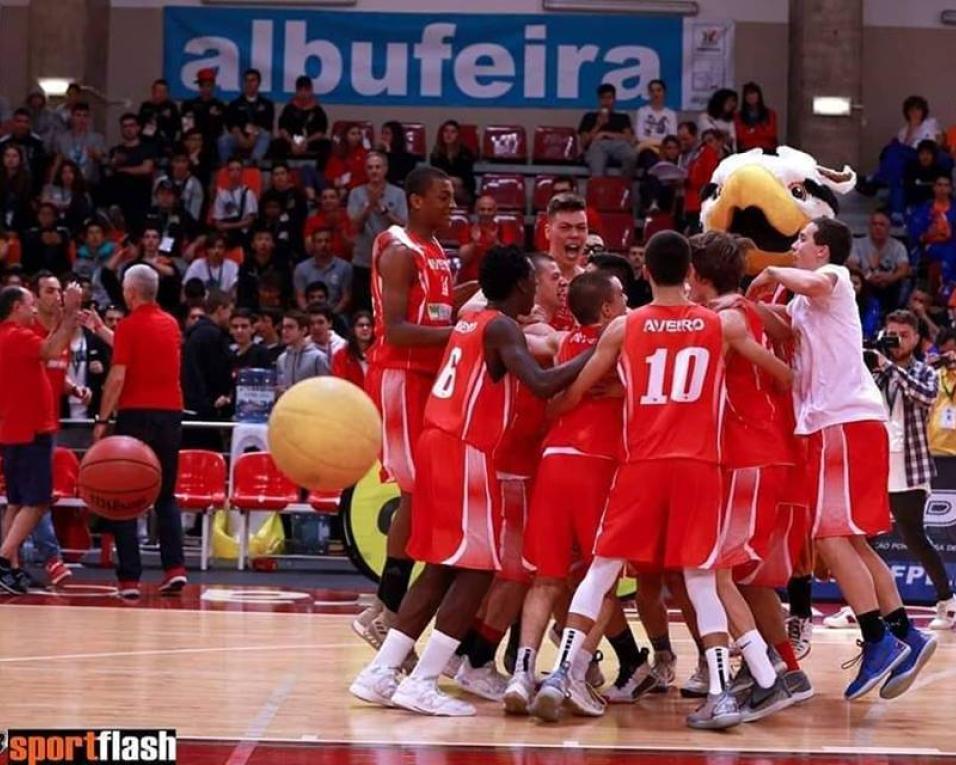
(398, 274)
(738, 338)
(505, 340)
(599, 365)
(776, 322)
(797, 280)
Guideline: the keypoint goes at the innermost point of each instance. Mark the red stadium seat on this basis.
(504, 143)
(70, 523)
(468, 135)
(507, 189)
(326, 502)
(460, 222)
(542, 192)
(555, 146)
(512, 227)
(368, 132)
(660, 221)
(415, 139)
(201, 488)
(257, 484)
(66, 471)
(609, 194)
(618, 231)
(251, 177)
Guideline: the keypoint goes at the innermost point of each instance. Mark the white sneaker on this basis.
(627, 692)
(664, 670)
(423, 696)
(945, 615)
(800, 632)
(583, 700)
(452, 667)
(698, 684)
(519, 692)
(841, 620)
(376, 684)
(370, 626)
(486, 682)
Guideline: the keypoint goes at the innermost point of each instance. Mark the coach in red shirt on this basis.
(143, 389)
(27, 419)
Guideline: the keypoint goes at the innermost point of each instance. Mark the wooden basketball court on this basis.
(261, 676)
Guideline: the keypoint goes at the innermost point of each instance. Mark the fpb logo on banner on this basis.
(549, 60)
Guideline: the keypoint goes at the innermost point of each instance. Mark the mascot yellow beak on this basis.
(755, 204)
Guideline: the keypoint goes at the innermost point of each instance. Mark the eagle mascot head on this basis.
(768, 198)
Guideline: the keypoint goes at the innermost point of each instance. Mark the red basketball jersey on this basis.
(755, 418)
(672, 370)
(593, 426)
(429, 302)
(520, 448)
(465, 402)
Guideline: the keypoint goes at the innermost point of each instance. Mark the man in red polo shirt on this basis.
(27, 420)
(143, 388)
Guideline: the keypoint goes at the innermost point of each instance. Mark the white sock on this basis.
(438, 650)
(526, 660)
(754, 650)
(395, 649)
(571, 642)
(718, 667)
(580, 664)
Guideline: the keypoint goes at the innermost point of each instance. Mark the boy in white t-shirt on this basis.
(840, 410)
(654, 121)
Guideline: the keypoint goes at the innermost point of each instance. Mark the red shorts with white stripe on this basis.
(456, 515)
(514, 509)
(400, 397)
(751, 496)
(849, 468)
(663, 514)
(786, 542)
(570, 493)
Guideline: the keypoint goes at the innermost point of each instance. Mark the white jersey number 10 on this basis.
(687, 377)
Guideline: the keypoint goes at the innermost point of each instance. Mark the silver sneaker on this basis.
(800, 633)
(550, 697)
(741, 684)
(422, 695)
(698, 684)
(365, 626)
(583, 700)
(719, 711)
(763, 702)
(519, 693)
(376, 684)
(799, 685)
(664, 672)
(485, 682)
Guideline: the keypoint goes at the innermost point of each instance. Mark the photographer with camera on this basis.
(910, 389)
(942, 418)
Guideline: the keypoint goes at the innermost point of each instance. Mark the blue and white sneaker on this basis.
(922, 647)
(877, 661)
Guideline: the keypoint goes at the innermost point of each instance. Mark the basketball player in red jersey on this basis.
(456, 516)
(580, 454)
(567, 232)
(757, 457)
(663, 512)
(414, 304)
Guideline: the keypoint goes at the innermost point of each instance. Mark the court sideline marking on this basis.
(168, 651)
(244, 749)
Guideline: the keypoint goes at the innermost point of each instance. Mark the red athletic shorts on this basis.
(663, 514)
(456, 515)
(570, 493)
(849, 468)
(785, 544)
(514, 507)
(400, 397)
(749, 516)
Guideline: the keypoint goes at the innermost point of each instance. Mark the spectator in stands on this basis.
(755, 125)
(207, 365)
(80, 144)
(652, 123)
(259, 263)
(64, 112)
(292, 203)
(46, 246)
(345, 169)
(699, 173)
(931, 319)
(303, 126)
(215, 270)
(323, 336)
(268, 324)
(349, 362)
(664, 180)
(245, 354)
(918, 126)
(372, 209)
(484, 233)
(205, 112)
(249, 121)
(112, 317)
(456, 159)
(273, 220)
(69, 197)
(176, 226)
(563, 184)
(921, 172)
(89, 363)
(15, 191)
(324, 267)
(333, 216)
(942, 419)
(606, 136)
(882, 261)
(301, 359)
(188, 187)
(719, 117)
(394, 145)
(95, 250)
(640, 292)
(687, 136)
(871, 314)
(235, 207)
(35, 155)
(202, 156)
(933, 227)
(146, 251)
(132, 164)
(42, 117)
(159, 117)
(271, 290)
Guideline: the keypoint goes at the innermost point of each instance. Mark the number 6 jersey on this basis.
(672, 368)
(465, 402)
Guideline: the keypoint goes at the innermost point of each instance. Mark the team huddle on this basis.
(546, 441)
